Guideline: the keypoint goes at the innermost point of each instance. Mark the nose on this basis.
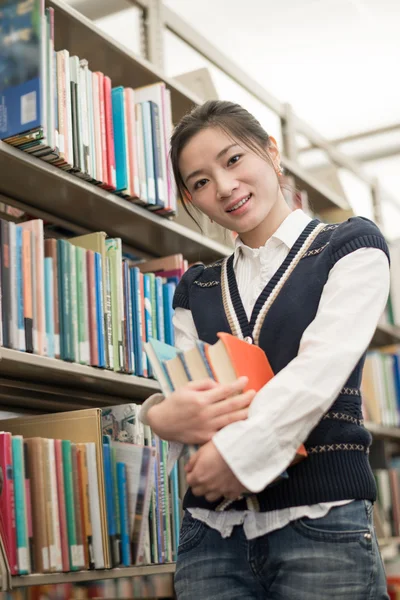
(226, 184)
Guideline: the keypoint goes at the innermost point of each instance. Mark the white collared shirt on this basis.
(285, 411)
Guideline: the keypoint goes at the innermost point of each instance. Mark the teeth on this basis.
(239, 204)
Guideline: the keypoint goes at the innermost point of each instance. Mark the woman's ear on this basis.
(274, 153)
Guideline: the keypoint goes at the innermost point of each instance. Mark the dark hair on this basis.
(232, 118)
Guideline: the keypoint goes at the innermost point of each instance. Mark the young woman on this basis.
(310, 295)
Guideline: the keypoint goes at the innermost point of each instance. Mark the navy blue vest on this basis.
(337, 466)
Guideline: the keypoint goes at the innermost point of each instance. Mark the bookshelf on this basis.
(45, 384)
(93, 575)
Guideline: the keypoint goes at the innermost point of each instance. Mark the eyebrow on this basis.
(219, 155)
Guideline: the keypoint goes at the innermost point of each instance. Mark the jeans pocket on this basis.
(191, 534)
(350, 522)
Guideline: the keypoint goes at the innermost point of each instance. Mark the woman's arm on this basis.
(285, 411)
(195, 413)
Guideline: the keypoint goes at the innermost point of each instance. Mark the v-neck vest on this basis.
(337, 466)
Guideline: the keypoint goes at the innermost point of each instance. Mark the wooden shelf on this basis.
(51, 384)
(386, 335)
(383, 431)
(321, 197)
(95, 575)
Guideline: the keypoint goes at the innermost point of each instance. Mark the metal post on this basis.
(289, 133)
(154, 27)
(377, 202)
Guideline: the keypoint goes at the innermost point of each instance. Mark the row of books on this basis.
(54, 107)
(144, 586)
(387, 509)
(70, 505)
(381, 386)
(80, 300)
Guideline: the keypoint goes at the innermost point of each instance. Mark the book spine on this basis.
(74, 302)
(83, 342)
(94, 502)
(112, 177)
(20, 290)
(103, 138)
(20, 506)
(5, 283)
(7, 502)
(137, 339)
(141, 154)
(56, 549)
(148, 153)
(91, 284)
(49, 301)
(97, 127)
(108, 313)
(157, 158)
(99, 310)
(78, 507)
(62, 514)
(51, 252)
(111, 525)
(70, 505)
(159, 309)
(123, 511)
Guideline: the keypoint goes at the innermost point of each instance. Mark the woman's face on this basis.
(229, 183)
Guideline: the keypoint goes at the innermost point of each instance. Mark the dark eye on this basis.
(200, 183)
(234, 159)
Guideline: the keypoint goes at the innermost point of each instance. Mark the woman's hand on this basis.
(208, 475)
(196, 412)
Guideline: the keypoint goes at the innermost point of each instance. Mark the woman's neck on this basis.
(258, 236)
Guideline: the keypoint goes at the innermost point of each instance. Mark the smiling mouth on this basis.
(239, 204)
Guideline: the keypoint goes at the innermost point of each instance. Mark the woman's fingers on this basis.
(223, 391)
(229, 418)
(203, 385)
(232, 404)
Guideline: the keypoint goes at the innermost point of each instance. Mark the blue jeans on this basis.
(334, 557)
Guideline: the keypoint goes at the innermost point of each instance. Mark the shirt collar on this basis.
(287, 233)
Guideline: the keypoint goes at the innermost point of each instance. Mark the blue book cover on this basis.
(396, 375)
(22, 99)
(159, 309)
(157, 353)
(176, 521)
(49, 305)
(20, 291)
(128, 318)
(126, 557)
(148, 153)
(148, 310)
(110, 507)
(62, 297)
(168, 294)
(136, 321)
(120, 141)
(99, 309)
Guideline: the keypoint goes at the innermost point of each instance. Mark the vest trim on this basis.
(233, 306)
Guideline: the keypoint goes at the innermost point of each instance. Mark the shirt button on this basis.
(248, 339)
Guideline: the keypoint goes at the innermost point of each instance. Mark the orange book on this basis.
(231, 357)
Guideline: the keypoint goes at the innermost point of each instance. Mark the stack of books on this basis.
(54, 107)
